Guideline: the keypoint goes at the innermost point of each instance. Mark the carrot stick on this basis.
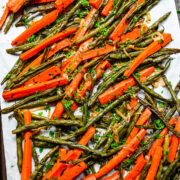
(62, 4)
(107, 8)
(27, 154)
(114, 176)
(30, 90)
(131, 147)
(133, 102)
(116, 34)
(90, 177)
(174, 143)
(38, 25)
(151, 49)
(4, 17)
(136, 170)
(15, 5)
(121, 87)
(74, 171)
(159, 141)
(28, 54)
(142, 120)
(95, 3)
(100, 70)
(84, 25)
(54, 48)
(62, 153)
(97, 52)
(84, 46)
(41, 1)
(156, 158)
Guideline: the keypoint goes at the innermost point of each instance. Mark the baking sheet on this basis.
(6, 62)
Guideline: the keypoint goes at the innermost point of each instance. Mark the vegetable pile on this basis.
(98, 63)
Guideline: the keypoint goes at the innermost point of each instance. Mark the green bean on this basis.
(177, 88)
(45, 53)
(68, 143)
(124, 56)
(85, 108)
(42, 163)
(9, 23)
(35, 156)
(43, 7)
(43, 144)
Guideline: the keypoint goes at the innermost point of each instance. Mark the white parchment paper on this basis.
(6, 62)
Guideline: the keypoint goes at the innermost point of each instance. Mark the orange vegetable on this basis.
(15, 5)
(62, 4)
(116, 34)
(74, 171)
(27, 154)
(121, 155)
(90, 177)
(41, 1)
(100, 70)
(84, 45)
(95, 3)
(114, 176)
(44, 76)
(174, 143)
(107, 8)
(97, 52)
(159, 141)
(142, 120)
(121, 87)
(151, 49)
(84, 25)
(156, 158)
(136, 170)
(28, 54)
(54, 48)
(35, 27)
(133, 101)
(4, 17)
(29, 90)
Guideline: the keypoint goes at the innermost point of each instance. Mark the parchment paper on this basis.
(6, 62)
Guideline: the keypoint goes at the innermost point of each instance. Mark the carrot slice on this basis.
(84, 25)
(44, 76)
(142, 120)
(28, 54)
(121, 155)
(116, 34)
(156, 158)
(136, 170)
(114, 176)
(151, 49)
(41, 1)
(121, 87)
(174, 143)
(62, 4)
(97, 52)
(74, 171)
(4, 17)
(27, 154)
(90, 177)
(15, 5)
(95, 3)
(100, 70)
(35, 27)
(107, 8)
(133, 101)
(160, 140)
(29, 90)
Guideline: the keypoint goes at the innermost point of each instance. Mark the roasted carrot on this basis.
(90, 177)
(15, 5)
(62, 4)
(54, 48)
(41, 1)
(62, 153)
(101, 68)
(95, 3)
(74, 171)
(4, 17)
(28, 54)
(44, 76)
(136, 170)
(160, 140)
(27, 155)
(97, 52)
(114, 176)
(156, 158)
(116, 34)
(29, 90)
(121, 87)
(133, 101)
(151, 49)
(174, 143)
(35, 27)
(107, 8)
(131, 147)
(84, 46)
(84, 25)
(142, 120)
